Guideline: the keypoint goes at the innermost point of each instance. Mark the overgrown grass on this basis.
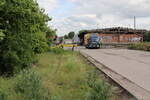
(140, 46)
(65, 75)
(27, 85)
(57, 76)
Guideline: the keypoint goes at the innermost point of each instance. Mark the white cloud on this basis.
(48, 5)
(88, 14)
(83, 24)
(126, 8)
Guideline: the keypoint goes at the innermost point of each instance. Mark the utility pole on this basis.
(97, 26)
(134, 22)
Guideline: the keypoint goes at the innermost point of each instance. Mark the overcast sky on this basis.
(74, 15)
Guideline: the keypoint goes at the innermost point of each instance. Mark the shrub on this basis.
(140, 46)
(3, 96)
(92, 76)
(100, 91)
(147, 36)
(29, 86)
(147, 46)
(23, 29)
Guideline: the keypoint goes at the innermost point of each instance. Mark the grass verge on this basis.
(57, 76)
(140, 46)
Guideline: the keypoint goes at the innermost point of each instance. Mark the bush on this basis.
(23, 29)
(29, 86)
(100, 91)
(140, 46)
(147, 36)
(147, 46)
(3, 96)
(92, 76)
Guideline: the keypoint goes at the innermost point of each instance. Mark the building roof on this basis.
(119, 30)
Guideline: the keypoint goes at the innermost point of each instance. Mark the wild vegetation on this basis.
(147, 36)
(36, 74)
(59, 75)
(23, 32)
(70, 35)
(140, 46)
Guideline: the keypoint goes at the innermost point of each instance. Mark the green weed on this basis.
(28, 86)
(140, 46)
(100, 90)
(3, 96)
(57, 76)
(57, 50)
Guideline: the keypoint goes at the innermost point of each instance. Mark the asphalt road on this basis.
(131, 64)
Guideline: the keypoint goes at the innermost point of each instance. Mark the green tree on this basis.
(2, 35)
(147, 36)
(66, 36)
(71, 35)
(23, 30)
(81, 35)
(50, 35)
(61, 39)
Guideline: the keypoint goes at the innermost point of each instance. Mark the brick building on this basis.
(119, 35)
(121, 38)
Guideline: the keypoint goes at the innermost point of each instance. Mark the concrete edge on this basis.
(137, 91)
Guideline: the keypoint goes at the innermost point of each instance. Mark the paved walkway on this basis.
(131, 64)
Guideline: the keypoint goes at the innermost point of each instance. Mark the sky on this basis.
(75, 15)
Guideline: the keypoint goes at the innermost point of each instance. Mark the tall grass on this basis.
(140, 46)
(99, 89)
(3, 96)
(57, 50)
(25, 86)
(29, 86)
(59, 75)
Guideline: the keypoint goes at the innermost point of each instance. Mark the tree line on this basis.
(24, 33)
(147, 36)
(70, 35)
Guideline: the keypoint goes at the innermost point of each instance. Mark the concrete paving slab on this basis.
(131, 64)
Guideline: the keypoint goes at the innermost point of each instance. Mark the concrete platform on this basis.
(132, 65)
